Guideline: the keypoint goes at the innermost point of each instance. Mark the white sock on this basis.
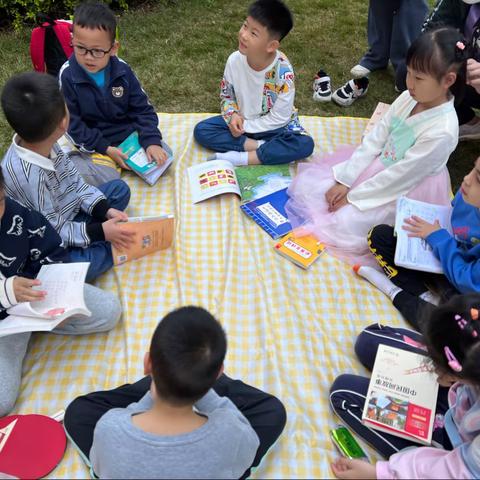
(237, 159)
(379, 279)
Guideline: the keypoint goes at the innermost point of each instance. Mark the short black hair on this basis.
(439, 51)
(33, 105)
(95, 15)
(274, 15)
(187, 351)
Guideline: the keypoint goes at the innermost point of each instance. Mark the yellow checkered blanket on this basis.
(290, 331)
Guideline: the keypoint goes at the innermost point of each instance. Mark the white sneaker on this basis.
(359, 71)
(322, 91)
(350, 92)
(469, 132)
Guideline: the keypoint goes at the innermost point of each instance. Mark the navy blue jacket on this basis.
(105, 116)
(27, 241)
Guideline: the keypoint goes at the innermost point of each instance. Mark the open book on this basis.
(63, 283)
(152, 234)
(138, 160)
(402, 395)
(216, 177)
(412, 252)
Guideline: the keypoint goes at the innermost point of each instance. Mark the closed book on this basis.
(269, 213)
(402, 395)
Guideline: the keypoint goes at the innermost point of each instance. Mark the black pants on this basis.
(348, 392)
(266, 413)
(382, 243)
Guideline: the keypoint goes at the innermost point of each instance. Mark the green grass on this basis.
(178, 50)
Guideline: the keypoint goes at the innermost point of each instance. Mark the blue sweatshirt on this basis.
(460, 254)
(105, 116)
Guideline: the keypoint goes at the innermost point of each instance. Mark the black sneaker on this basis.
(322, 91)
(352, 90)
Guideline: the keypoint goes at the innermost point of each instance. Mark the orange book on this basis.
(301, 250)
(152, 234)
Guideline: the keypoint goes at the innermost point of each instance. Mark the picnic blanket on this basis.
(290, 331)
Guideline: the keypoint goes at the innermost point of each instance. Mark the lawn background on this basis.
(178, 50)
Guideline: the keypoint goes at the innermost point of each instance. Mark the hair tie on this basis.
(453, 363)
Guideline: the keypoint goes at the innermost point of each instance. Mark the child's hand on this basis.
(348, 468)
(22, 287)
(418, 227)
(473, 74)
(118, 157)
(157, 154)
(335, 194)
(114, 213)
(119, 237)
(236, 125)
(338, 205)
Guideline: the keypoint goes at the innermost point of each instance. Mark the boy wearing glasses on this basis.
(105, 99)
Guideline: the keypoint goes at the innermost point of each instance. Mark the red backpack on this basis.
(51, 45)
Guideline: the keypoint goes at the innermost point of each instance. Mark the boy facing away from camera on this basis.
(259, 123)
(186, 419)
(39, 175)
(105, 98)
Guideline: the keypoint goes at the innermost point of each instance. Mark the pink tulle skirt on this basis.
(344, 232)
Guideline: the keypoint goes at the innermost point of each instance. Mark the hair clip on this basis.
(460, 45)
(462, 323)
(453, 363)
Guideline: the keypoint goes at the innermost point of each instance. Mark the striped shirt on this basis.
(53, 187)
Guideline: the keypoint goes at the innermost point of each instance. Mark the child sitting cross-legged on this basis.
(105, 98)
(39, 175)
(186, 419)
(459, 254)
(451, 338)
(28, 241)
(259, 123)
(342, 196)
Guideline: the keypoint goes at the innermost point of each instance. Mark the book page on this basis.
(63, 283)
(213, 178)
(412, 252)
(256, 181)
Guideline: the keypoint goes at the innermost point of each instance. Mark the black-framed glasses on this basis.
(94, 52)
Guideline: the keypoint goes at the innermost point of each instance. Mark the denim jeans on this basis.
(99, 254)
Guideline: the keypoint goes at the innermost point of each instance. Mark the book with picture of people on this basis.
(151, 235)
(402, 395)
(63, 283)
(139, 162)
(217, 177)
(413, 252)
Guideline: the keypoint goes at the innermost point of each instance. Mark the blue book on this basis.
(138, 160)
(269, 212)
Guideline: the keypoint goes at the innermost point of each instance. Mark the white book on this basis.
(63, 283)
(413, 252)
(402, 395)
(212, 178)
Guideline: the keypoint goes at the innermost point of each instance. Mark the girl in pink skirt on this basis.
(340, 197)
